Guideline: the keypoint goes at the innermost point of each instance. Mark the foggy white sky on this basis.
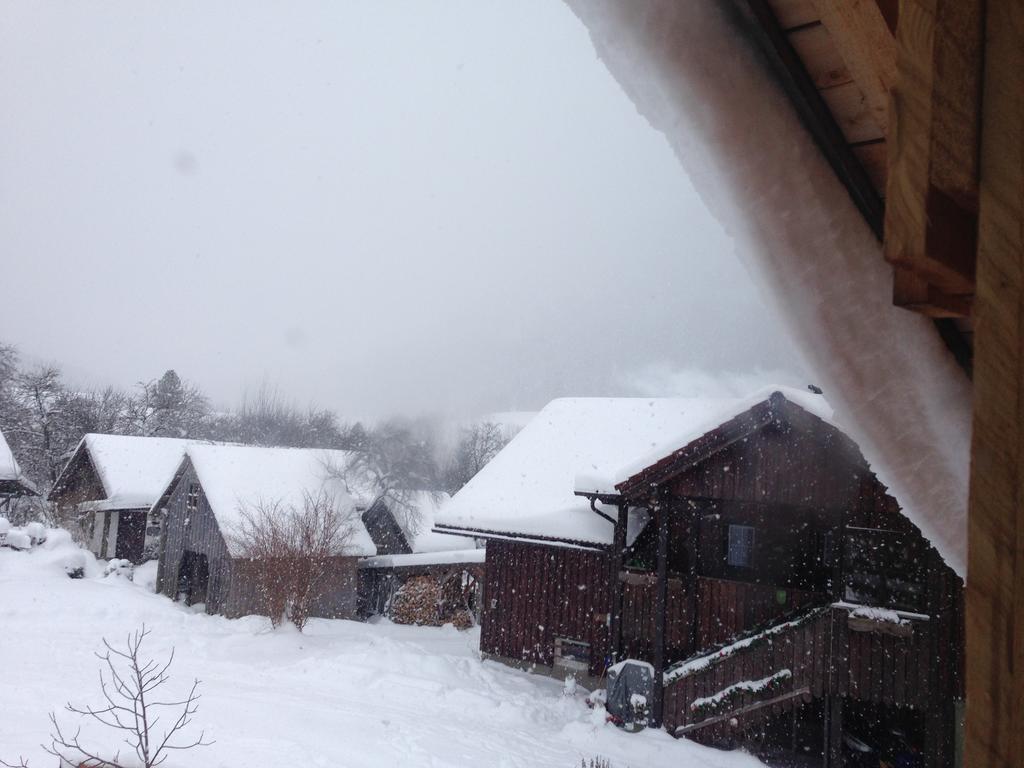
(379, 207)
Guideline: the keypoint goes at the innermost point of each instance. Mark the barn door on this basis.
(131, 535)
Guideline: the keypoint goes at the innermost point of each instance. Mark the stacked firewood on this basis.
(428, 600)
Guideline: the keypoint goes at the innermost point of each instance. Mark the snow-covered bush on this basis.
(18, 539)
(119, 567)
(36, 531)
(73, 564)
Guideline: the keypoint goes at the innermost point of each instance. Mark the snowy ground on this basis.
(341, 694)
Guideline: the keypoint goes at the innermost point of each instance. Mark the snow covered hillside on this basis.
(342, 694)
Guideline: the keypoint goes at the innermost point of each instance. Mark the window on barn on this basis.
(741, 545)
(192, 499)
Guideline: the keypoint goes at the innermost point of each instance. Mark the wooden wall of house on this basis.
(811, 466)
(79, 483)
(336, 595)
(233, 582)
(199, 532)
(638, 618)
(726, 609)
(535, 593)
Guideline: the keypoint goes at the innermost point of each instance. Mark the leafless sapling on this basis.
(131, 707)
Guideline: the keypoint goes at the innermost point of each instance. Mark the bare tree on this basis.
(167, 407)
(477, 445)
(128, 683)
(269, 418)
(396, 463)
(294, 549)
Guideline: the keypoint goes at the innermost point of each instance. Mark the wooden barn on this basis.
(757, 563)
(446, 571)
(109, 486)
(13, 483)
(202, 504)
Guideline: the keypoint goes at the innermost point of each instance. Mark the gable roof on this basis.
(683, 451)
(133, 470)
(234, 477)
(11, 475)
(586, 447)
(529, 489)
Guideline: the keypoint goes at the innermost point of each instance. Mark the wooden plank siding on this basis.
(535, 593)
(233, 587)
(729, 608)
(825, 656)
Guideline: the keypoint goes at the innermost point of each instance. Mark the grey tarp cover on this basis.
(625, 679)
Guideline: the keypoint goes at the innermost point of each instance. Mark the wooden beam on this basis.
(660, 608)
(867, 46)
(995, 579)
(815, 113)
(615, 568)
(932, 192)
(682, 730)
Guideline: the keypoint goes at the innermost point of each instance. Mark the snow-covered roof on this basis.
(704, 419)
(425, 538)
(528, 489)
(450, 557)
(588, 445)
(9, 469)
(133, 470)
(236, 477)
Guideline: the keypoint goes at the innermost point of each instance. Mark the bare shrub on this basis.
(293, 549)
(129, 683)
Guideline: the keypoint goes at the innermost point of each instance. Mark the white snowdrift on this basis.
(343, 693)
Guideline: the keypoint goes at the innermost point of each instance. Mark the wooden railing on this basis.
(824, 651)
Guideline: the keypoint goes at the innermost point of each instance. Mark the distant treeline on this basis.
(44, 417)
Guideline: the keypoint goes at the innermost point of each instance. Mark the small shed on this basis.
(445, 572)
(203, 503)
(109, 485)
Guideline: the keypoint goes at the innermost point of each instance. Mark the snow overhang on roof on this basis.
(11, 475)
(132, 469)
(449, 557)
(578, 447)
(237, 477)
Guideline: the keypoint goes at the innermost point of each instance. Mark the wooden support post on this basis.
(692, 582)
(932, 191)
(995, 574)
(615, 574)
(660, 606)
(833, 706)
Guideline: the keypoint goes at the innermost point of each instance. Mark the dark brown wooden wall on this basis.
(729, 608)
(828, 656)
(535, 593)
(779, 465)
(638, 618)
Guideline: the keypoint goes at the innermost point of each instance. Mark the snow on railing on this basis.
(706, 704)
(699, 663)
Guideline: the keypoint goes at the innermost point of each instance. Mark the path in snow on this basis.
(341, 694)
